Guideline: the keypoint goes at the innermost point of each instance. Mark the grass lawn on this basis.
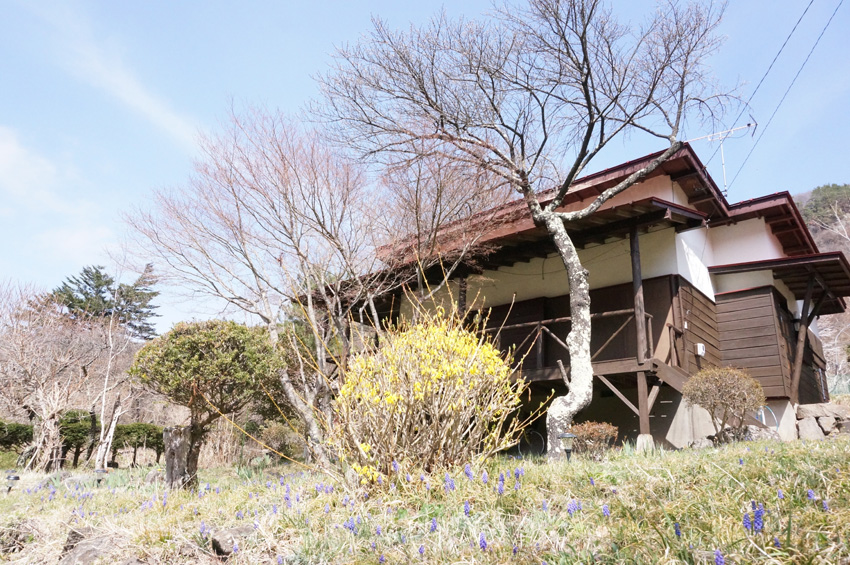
(664, 507)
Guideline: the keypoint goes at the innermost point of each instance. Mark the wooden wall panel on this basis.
(699, 320)
(751, 337)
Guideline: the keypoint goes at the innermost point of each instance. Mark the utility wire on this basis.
(747, 158)
(778, 53)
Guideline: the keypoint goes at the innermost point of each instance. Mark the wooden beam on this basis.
(653, 394)
(643, 403)
(620, 395)
(816, 309)
(637, 287)
(802, 334)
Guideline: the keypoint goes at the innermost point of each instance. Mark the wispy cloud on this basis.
(45, 220)
(100, 65)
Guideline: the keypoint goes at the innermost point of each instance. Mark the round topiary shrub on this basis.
(432, 393)
(593, 439)
(727, 394)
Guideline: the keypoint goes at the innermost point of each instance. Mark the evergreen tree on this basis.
(95, 294)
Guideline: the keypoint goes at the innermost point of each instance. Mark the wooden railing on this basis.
(540, 328)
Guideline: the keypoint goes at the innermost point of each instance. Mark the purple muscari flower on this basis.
(748, 525)
(484, 477)
(450, 483)
(677, 529)
(811, 494)
(776, 542)
(466, 507)
(433, 525)
(758, 520)
(572, 507)
(421, 550)
(825, 506)
(467, 470)
(327, 508)
(382, 559)
(501, 488)
(235, 548)
(280, 560)
(753, 504)
(274, 508)
(403, 538)
(374, 545)
(740, 461)
(779, 494)
(380, 480)
(718, 558)
(592, 483)
(517, 484)
(395, 466)
(482, 542)
(427, 486)
(407, 476)
(605, 510)
(516, 549)
(239, 515)
(545, 505)
(378, 531)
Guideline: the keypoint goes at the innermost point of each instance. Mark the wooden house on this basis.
(680, 279)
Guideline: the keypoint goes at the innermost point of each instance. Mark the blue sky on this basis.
(101, 102)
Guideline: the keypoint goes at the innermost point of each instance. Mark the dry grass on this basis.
(536, 518)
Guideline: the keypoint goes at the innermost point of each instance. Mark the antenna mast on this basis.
(721, 136)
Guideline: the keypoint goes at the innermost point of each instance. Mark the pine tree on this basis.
(95, 294)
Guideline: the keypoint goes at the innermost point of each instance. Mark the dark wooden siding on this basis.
(812, 378)
(657, 298)
(699, 322)
(755, 336)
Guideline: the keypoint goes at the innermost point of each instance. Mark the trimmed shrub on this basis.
(593, 439)
(432, 394)
(14, 436)
(727, 394)
(136, 435)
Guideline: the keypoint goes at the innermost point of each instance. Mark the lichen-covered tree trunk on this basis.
(182, 450)
(579, 382)
(176, 442)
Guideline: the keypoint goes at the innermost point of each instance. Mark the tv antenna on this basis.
(721, 136)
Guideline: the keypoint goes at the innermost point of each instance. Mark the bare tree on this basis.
(532, 96)
(45, 358)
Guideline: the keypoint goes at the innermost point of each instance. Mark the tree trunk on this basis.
(92, 436)
(176, 442)
(182, 449)
(104, 448)
(580, 379)
(48, 446)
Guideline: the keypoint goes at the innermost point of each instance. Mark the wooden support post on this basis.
(644, 441)
(802, 334)
(461, 297)
(540, 351)
(637, 286)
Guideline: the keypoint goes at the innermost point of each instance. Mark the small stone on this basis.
(827, 423)
(758, 433)
(154, 476)
(702, 443)
(223, 541)
(808, 428)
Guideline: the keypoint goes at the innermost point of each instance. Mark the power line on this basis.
(778, 53)
(747, 158)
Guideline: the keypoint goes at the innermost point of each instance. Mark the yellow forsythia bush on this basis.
(432, 394)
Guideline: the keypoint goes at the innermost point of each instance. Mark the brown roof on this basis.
(830, 272)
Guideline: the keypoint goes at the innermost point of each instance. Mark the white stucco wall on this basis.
(750, 240)
(694, 253)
